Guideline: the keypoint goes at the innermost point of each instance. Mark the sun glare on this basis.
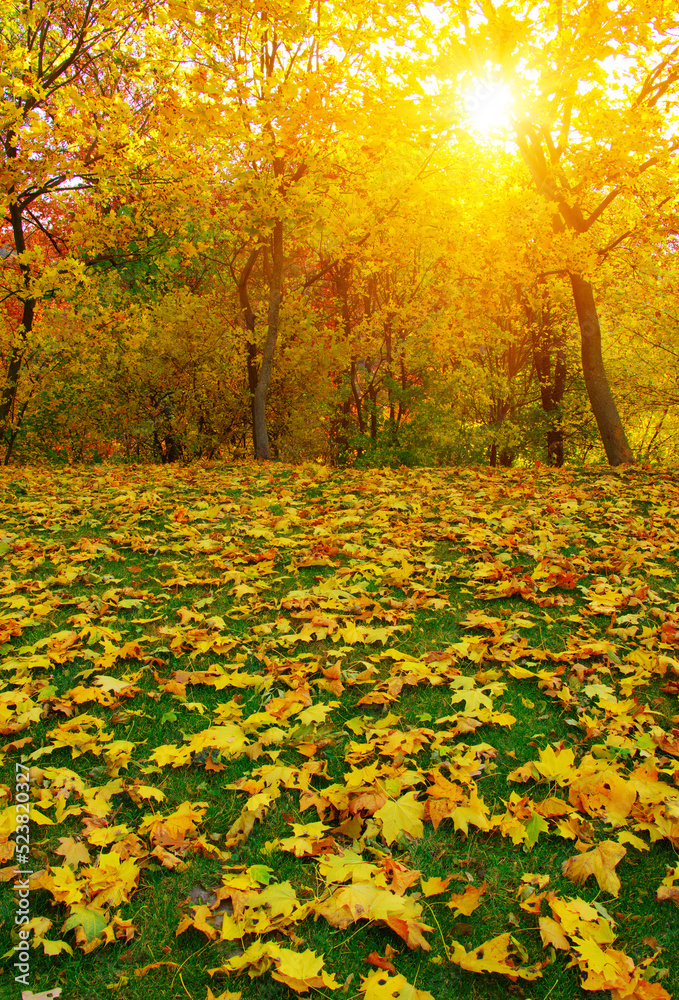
(489, 108)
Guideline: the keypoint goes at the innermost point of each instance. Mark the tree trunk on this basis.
(570, 216)
(10, 388)
(9, 392)
(261, 435)
(249, 319)
(341, 276)
(555, 434)
(251, 349)
(551, 389)
(404, 386)
(601, 399)
(339, 429)
(372, 395)
(498, 412)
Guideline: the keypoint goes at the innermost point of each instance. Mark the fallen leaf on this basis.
(600, 862)
(464, 903)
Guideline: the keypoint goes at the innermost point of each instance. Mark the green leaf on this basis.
(260, 873)
(534, 827)
(91, 921)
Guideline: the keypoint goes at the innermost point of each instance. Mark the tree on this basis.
(64, 123)
(286, 88)
(594, 87)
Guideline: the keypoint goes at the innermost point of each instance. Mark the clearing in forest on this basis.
(369, 734)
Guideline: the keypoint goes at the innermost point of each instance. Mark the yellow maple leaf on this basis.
(402, 815)
(73, 852)
(356, 900)
(200, 920)
(345, 867)
(380, 985)
(35, 816)
(410, 992)
(627, 837)
(474, 812)
(168, 753)
(259, 956)
(111, 683)
(55, 947)
(304, 840)
(302, 971)
(495, 955)
(578, 918)
(63, 885)
(111, 880)
(552, 933)
(107, 835)
(435, 885)
(229, 739)
(672, 876)
(556, 764)
(473, 698)
(231, 929)
(520, 673)
(145, 792)
(171, 831)
(600, 862)
(280, 899)
(607, 969)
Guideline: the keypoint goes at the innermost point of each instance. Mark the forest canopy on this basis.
(366, 233)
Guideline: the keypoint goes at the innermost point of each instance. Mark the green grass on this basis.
(415, 552)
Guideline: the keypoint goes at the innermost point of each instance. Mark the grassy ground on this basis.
(464, 675)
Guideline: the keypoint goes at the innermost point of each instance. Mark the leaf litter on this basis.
(290, 628)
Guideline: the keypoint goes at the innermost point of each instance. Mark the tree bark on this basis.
(9, 392)
(10, 388)
(249, 319)
(252, 372)
(601, 399)
(357, 398)
(372, 395)
(261, 434)
(555, 434)
(552, 388)
(341, 275)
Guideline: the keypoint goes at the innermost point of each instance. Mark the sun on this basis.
(489, 108)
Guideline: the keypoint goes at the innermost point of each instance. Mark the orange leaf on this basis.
(16, 744)
(154, 965)
(464, 903)
(383, 962)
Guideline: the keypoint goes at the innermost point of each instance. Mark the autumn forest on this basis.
(339, 608)
(369, 234)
